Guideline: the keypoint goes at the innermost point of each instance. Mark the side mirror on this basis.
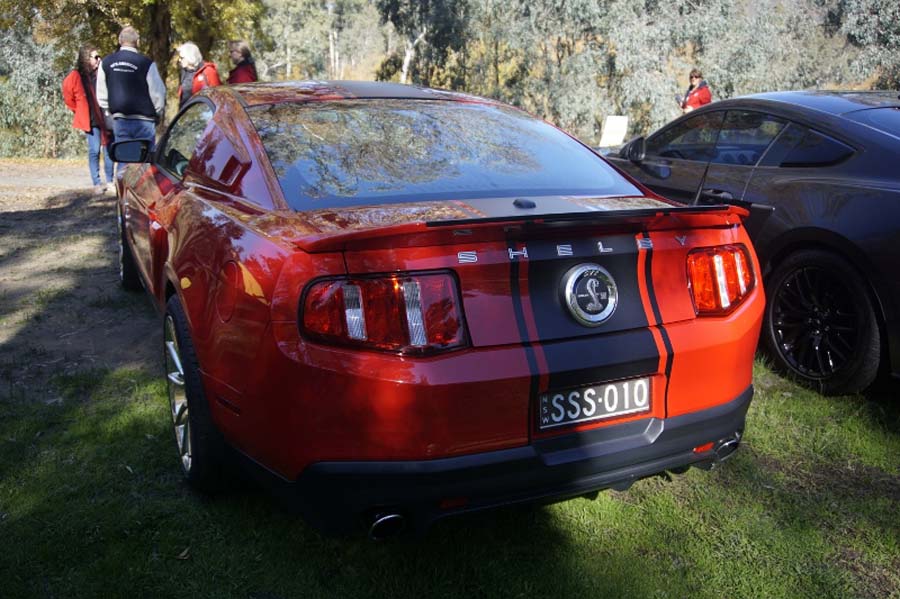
(635, 150)
(132, 150)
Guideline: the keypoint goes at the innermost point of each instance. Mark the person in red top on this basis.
(244, 70)
(697, 93)
(195, 73)
(78, 89)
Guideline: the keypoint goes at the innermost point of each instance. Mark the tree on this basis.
(873, 26)
(33, 119)
(162, 23)
(333, 39)
(430, 29)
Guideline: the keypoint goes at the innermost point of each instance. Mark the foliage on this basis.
(163, 24)
(34, 121)
(874, 26)
(312, 39)
(572, 62)
(431, 30)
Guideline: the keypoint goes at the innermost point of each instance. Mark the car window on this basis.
(744, 137)
(182, 138)
(816, 149)
(357, 152)
(692, 139)
(883, 119)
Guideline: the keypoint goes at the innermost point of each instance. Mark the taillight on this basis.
(404, 313)
(719, 277)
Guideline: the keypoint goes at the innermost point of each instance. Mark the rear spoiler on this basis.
(599, 217)
(444, 232)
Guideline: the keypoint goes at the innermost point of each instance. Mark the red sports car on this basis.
(405, 303)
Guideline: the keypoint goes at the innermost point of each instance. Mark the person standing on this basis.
(195, 73)
(78, 89)
(244, 70)
(130, 89)
(697, 93)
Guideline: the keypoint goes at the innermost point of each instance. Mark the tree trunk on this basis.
(331, 54)
(157, 41)
(410, 54)
(288, 67)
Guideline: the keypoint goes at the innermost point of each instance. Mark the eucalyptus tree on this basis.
(33, 119)
(873, 26)
(429, 29)
(332, 39)
(162, 23)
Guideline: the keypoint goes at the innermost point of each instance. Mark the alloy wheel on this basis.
(815, 322)
(178, 404)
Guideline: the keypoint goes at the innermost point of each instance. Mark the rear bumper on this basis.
(340, 497)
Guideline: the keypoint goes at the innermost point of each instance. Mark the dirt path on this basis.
(61, 307)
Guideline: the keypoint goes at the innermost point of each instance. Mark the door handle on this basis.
(716, 194)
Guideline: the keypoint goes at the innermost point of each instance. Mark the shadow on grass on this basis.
(92, 499)
(883, 403)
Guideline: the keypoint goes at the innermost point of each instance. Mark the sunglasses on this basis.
(96, 57)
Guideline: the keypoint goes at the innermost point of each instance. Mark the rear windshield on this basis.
(331, 154)
(883, 119)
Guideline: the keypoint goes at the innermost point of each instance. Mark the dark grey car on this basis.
(829, 164)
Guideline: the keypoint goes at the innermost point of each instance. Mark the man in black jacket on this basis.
(130, 89)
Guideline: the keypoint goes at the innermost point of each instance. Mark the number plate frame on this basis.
(612, 399)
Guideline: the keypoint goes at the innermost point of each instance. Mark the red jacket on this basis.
(77, 101)
(697, 97)
(206, 76)
(245, 72)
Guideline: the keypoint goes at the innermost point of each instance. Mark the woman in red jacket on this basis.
(697, 93)
(78, 89)
(244, 70)
(195, 73)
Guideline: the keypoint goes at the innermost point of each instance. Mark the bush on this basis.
(34, 120)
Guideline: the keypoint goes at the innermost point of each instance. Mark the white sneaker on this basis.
(99, 189)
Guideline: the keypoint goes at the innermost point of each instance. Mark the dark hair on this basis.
(83, 62)
(242, 47)
(696, 73)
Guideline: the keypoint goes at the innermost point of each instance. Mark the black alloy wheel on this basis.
(820, 325)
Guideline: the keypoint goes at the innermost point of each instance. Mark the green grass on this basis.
(92, 504)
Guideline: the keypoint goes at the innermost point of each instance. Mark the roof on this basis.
(254, 94)
(831, 102)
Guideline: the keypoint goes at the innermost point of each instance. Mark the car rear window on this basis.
(883, 119)
(356, 152)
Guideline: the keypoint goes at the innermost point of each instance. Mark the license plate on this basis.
(594, 402)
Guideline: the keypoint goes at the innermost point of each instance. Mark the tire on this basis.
(820, 326)
(201, 448)
(128, 272)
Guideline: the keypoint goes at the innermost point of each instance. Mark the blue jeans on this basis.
(93, 141)
(135, 129)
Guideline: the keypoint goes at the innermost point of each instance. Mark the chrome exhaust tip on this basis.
(385, 526)
(726, 448)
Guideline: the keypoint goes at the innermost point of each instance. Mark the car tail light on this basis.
(402, 313)
(719, 277)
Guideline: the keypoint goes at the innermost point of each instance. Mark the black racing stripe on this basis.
(620, 348)
(657, 315)
(519, 313)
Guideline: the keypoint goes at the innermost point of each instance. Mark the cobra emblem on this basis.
(590, 293)
(596, 296)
